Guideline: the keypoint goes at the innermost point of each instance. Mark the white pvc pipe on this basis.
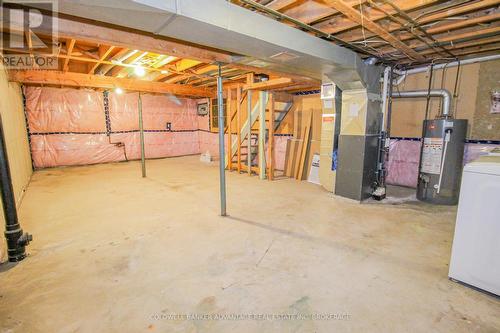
(403, 74)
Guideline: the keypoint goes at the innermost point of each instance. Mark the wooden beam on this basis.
(69, 48)
(294, 77)
(180, 66)
(359, 18)
(262, 134)
(250, 81)
(270, 141)
(477, 49)
(459, 10)
(96, 34)
(313, 11)
(238, 126)
(451, 26)
(106, 82)
(282, 4)
(467, 22)
(132, 60)
(339, 24)
(449, 38)
(199, 70)
(104, 52)
(462, 24)
(77, 49)
(270, 84)
(229, 118)
(458, 46)
(29, 40)
(112, 63)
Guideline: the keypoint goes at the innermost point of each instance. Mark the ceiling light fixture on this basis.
(139, 71)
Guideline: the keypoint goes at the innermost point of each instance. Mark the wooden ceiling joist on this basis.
(439, 28)
(269, 85)
(182, 65)
(282, 4)
(359, 18)
(473, 43)
(339, 24)
(466, 8)
(105, 82)
(201, 70)
(92, 33)
(452, 38)
(104, 52)
(311, 12)
(70, 44)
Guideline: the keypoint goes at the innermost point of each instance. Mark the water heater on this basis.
(441, 159)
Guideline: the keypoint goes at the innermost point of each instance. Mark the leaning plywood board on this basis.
(298, 155)
(305, 147)
(294, 152)
(287, 156)
(315, 138)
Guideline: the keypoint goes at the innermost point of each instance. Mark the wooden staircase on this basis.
(243, 155)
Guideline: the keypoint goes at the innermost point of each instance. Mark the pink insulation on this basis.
(131, 142)
(165, 144)
(71, 127)
(404, 157)
(158, 110)
(68, 126)
(280, 152)
(71, 149)
(209, 142)
(64, 110)
(124, 112)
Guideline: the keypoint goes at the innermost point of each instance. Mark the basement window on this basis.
(214, 115)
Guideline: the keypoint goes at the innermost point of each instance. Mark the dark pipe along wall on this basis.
(16, 239)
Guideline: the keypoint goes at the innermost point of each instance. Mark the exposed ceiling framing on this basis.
(405, 32)
(103, 57)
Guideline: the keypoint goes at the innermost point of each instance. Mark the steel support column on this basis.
(222, 169)
(141, 129)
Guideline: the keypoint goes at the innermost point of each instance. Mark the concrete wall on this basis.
(11, 110)
(473, 102)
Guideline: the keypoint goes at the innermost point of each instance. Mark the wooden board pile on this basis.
(306, 137)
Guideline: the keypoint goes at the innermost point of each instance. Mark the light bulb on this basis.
(139, 71)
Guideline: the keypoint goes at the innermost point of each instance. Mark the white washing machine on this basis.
(475, 256)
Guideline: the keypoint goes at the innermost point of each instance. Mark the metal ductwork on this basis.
(443, 93)
(261, 42)
(222, 25)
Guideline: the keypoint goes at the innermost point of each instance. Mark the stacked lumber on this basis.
(306, 137)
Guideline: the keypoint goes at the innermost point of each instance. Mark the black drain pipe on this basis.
(16, 239)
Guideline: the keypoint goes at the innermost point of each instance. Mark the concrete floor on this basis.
(113, 252)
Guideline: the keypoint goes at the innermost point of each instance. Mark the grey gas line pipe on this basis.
(443, 93)
(222, 167)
